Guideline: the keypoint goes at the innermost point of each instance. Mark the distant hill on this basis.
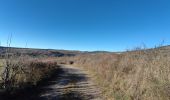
(60, 53)
(95, 52)
(37, 52)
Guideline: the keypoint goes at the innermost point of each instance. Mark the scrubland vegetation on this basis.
(19, 72)
(134, 75)
(26, 67)
(140, 74)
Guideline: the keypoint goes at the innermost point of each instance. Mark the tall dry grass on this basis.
(19, 70)
(25, 72)
(133, 75)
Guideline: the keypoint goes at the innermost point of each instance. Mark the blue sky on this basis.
(111, 25)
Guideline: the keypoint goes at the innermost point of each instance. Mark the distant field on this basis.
(37, 52)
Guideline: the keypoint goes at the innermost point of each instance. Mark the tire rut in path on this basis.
(71, 84)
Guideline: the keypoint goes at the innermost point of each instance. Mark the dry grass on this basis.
(1, 67)
(137, 75)
(26, 71)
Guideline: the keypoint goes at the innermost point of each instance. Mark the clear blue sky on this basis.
(112, 25)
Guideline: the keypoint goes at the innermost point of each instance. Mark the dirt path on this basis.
(67, 83)
(71, 84)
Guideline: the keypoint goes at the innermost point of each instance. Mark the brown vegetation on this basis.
(133, 75)
(25, 72)
(19, 69)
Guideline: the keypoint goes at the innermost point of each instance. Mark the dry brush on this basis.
(134, 75)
